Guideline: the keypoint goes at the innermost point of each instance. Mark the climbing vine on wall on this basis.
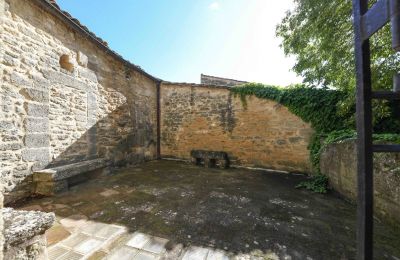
(320, 108)
(317, 106)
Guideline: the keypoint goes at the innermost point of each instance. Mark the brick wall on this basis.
(263, 134)
(63, 99)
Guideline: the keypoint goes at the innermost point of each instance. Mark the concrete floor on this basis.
(170, 210)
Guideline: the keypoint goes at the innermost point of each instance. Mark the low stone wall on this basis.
(262, 133)
(339, 163)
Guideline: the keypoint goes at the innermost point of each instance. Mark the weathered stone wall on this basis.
(211, 80)
(263, 133)
(64, 99)
(339, 163)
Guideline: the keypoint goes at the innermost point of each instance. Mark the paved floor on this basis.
(170, 210)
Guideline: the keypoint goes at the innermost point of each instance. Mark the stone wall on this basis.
(63, 99)
(211, 80)
(339, 163)
(262, 134)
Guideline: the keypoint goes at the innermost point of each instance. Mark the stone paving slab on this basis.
(156, 245)
(138, 240)
(86, 241)
(206, 214)
(217, 255)
(123, 253)
(143, 255)
(195, 253)
(71, 256)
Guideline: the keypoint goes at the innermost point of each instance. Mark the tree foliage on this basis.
(319, 34)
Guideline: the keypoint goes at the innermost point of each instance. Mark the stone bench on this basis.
(53, 180)
(24, 233)
(211, 159)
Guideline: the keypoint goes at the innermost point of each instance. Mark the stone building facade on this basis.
(65, 97)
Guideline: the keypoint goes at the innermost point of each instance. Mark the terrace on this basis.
(175, 210)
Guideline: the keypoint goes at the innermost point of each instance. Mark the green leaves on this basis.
(317, 184)
(319, 34)
(322, 108)
(317, 106)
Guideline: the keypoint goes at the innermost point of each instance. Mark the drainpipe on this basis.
(159, 120)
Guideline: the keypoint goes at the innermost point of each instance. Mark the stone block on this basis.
(6, 125)
(91, 101)
(36, 95)
(37, 110)
(40, 83)
(82, 59)
(68, 171)
(10, 146)
(33, 125)
(2, 7)
(36, 154)
(64, 79)
(22, 225)
(10, 61)
(20, 80)
(50, 188)
(37, 140)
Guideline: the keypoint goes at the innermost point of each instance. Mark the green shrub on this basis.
(317, 184)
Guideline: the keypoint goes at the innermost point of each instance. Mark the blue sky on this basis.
(177, 40)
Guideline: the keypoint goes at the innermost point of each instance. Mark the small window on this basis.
(65, 63)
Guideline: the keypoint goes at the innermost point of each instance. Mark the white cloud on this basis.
(214, 6)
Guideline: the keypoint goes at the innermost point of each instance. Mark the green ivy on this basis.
(321, 108)
(317, 184)
(317, 106)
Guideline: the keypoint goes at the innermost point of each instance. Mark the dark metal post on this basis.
(158, 153)
(395, 19)
(364, 133)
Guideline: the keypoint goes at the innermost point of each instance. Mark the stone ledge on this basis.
(21, 225)
(67, 171)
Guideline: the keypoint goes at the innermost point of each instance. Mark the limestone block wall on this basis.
(339, 162)
(63, 99)
(262, 134)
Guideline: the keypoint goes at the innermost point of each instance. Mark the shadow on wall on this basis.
(112, 138)
(119, 137)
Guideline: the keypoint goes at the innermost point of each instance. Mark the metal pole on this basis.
(364, 133)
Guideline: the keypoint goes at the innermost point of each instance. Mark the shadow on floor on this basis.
(237, 210)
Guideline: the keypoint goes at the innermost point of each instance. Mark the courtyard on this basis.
(175, 210)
